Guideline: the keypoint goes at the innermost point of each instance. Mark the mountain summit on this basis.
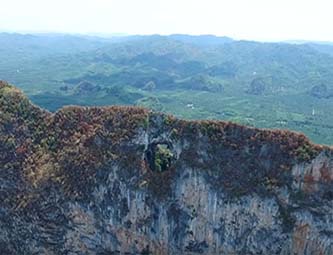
(126, 180)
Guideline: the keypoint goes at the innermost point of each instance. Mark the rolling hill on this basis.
(267, 85)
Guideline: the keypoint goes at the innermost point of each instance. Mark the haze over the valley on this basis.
(263, 20)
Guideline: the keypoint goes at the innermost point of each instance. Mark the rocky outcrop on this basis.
(124, 180)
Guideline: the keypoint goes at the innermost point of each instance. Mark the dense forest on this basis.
(285, 85)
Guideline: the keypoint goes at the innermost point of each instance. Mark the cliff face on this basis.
(124, 180)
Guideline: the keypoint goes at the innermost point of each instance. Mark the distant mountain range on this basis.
(286, 85)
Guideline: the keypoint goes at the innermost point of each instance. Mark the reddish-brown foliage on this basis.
(81, 140)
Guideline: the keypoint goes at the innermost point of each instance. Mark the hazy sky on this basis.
(241, 19)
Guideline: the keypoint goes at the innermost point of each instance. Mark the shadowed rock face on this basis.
(124, 180)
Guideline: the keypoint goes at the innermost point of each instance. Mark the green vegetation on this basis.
(306, 152)
(266, 85)
(163, 158)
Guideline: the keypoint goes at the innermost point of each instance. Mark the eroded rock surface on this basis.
(124, 180)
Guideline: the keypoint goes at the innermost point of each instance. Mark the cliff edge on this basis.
(125, 180)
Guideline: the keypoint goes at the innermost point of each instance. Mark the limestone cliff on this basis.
(124, 180)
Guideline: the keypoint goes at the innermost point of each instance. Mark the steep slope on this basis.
(125, 180)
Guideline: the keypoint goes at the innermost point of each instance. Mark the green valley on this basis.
(266, 85)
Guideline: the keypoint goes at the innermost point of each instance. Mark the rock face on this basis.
(124, 180)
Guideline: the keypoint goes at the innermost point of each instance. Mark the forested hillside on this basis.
(267, 85)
